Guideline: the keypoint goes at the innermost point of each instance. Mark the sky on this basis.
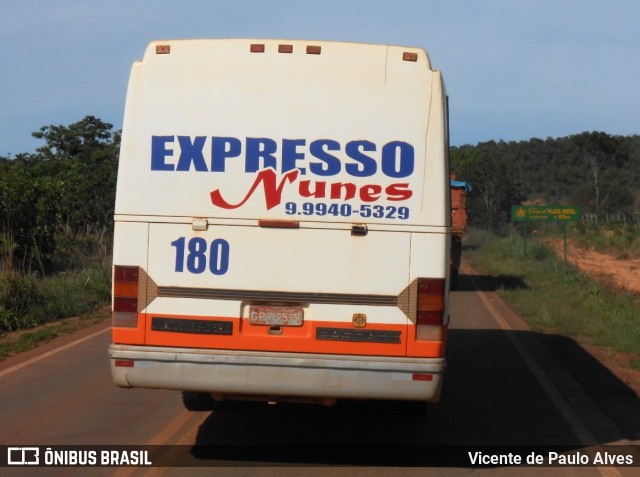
(514, 69)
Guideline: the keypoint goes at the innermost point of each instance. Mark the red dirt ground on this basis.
(623, 274)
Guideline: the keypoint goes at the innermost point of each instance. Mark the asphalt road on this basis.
(507, 389)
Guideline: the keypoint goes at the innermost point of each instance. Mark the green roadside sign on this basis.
(545, 213)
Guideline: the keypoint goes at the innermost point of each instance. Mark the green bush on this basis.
(27, 300)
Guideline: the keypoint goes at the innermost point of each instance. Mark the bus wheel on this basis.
(197, 401)
(455, 273)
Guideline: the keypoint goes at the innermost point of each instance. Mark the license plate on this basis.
(276, 315)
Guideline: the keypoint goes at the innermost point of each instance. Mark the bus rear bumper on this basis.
(225, 372)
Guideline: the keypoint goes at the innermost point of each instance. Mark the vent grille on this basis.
(270, 296)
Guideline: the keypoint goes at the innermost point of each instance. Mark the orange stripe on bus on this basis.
(302, 339)
(293, 339)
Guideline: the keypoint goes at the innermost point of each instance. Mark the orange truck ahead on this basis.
(459, 192)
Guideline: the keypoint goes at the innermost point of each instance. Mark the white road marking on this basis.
(576, 425)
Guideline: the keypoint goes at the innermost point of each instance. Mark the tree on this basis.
(495, 186)
(78, 141)
(600, 152)
(28, 213)
(593, 170)
(68, 184)
(85, 156)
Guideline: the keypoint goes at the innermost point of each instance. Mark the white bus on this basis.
(282, 223)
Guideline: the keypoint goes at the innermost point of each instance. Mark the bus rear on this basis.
(282, 222)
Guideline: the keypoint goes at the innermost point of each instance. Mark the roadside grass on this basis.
(619, 239)
(28, 300)
(36, 309)
(24, 340)
(622, 240)
(556, 296)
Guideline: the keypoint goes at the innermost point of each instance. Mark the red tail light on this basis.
(125, 296)
(431, 309)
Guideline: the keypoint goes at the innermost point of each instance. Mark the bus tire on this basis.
(455, 273)
(197, 401)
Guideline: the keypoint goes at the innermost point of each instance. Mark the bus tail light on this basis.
(431, 309)
(125, 296)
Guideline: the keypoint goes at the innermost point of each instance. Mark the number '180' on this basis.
(197, 255)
